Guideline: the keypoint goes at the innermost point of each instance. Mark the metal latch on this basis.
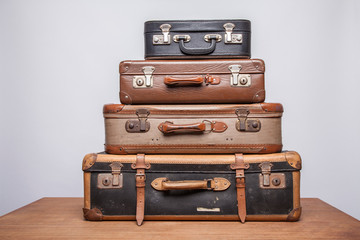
(165, 37)
(246, 125)
(111, 180)
(237, 79)
(229, 36)
(140, 125)
(146, 80)
(266, 171)
(270, 180)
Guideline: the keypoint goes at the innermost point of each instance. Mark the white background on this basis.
(59, 65)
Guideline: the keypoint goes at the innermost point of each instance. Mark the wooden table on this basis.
(61, 218)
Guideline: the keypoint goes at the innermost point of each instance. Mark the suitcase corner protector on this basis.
(294, 215)
(89, 161)
(93, 214)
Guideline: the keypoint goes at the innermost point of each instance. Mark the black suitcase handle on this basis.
(197, 51)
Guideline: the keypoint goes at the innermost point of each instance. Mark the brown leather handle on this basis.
(177, 81)
(189, 81)
(216, 184)
(169, 127)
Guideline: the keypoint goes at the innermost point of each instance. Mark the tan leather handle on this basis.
(170, 127)
(172, 81)
(197, 80)
(216, 184)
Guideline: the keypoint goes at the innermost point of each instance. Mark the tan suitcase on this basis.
(225, 128)
(251, 187)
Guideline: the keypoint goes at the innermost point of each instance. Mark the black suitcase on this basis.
(197, 39)
(258, 187)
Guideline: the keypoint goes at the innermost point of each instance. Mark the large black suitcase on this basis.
(263, 187)
(197, 39)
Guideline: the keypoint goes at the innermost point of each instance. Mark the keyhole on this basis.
(243, 80)
(106, 182)
(139, 82)
(276, 181)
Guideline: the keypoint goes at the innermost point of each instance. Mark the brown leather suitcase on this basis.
(192, 81)
(253, 187)
(223, 128)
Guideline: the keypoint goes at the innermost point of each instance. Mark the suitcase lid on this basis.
(257, 109)
(182, 67)
(280, 162)
(198, 25)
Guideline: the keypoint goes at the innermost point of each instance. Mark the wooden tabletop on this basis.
(61, 218)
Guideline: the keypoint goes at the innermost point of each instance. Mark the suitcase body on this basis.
(197, 39)
(223, 128)
(175, 189)
(192, 81)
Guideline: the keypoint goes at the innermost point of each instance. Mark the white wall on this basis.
(59, 65)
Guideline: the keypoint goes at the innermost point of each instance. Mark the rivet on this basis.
(255, 124)
(156, 39)
(126, 97)
(131, 125)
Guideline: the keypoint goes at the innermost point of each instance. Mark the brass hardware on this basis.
(229, 36)
(146, 80)
(237, 79)
(165, 37)
(246, 125)
(186, 38)
(276, 181)
(140, 125)
(266, 171)
(111, 180)
(208, 37)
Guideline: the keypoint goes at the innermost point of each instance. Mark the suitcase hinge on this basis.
(146, 80)
(140, 125)
(111, 180)
(237, 79)
(165, 37)
(270, 180)
(244, 124)
(229, 36)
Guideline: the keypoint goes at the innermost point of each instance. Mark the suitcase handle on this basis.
(216, 184)
(172, 81)
(187, 81)
(170, 127)
(197, 51)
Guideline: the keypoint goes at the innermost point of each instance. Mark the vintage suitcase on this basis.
(197, 39)
(223, 128)
(262, 187)
(192, 81)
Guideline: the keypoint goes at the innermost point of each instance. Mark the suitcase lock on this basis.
(165, 37)
(237, 79)
(246, 125)
(111, 180)
(229, 36)
(270, 180)
(146, 80)
(140, 125)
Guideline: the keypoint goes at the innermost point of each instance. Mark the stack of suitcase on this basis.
(193, 138)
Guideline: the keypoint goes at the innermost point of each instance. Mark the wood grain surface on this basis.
(61, 218)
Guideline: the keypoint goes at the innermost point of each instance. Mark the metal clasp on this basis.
(111, 180)
(140, 125)
(266, 171)
(208, 37)
(146, 80)
(165, 37)
(229, 36)
(244, 124)
(237, 79)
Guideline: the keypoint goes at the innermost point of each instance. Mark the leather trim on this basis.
(190, 148)
(201, 217)
(272, 107)
(294, 159)
(259, 96)
(112, 108)
(216, 184)
(88, 161)
(93, 214)
(294, 215)
(87, 200)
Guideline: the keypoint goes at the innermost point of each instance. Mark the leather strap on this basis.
(140, 178)
(239, 166)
